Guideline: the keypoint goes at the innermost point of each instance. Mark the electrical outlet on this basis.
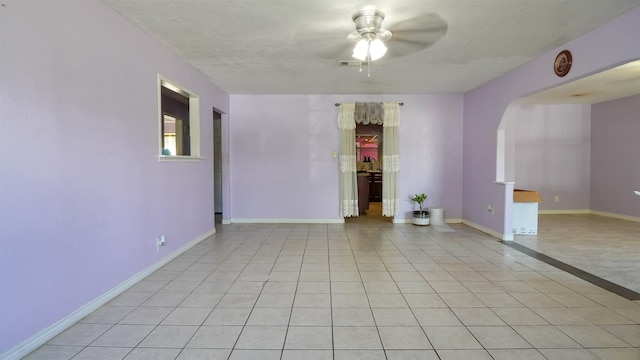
(491, 209)
(160, 242)
(556, 198)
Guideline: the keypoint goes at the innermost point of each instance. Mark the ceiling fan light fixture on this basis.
(377, 49)
(361, 50)
(369, 50)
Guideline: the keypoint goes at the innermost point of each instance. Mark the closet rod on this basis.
(400, 103)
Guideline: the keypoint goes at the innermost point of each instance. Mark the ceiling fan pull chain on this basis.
(369, 58)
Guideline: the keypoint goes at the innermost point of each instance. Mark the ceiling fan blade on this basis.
(398, 48)
(416, 34)
(423, 22)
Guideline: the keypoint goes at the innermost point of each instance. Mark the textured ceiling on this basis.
(295, 46)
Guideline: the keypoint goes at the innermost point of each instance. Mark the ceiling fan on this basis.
(402, 38)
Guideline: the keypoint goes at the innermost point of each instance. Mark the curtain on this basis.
(390, 165)
(369, 113)
(348, 176)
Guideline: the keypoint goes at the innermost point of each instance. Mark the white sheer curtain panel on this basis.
(348, 177)
(390, 164)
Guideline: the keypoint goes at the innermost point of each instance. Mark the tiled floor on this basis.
(603, 246)
(354, 291)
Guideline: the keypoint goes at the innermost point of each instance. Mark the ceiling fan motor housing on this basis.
(368, 23)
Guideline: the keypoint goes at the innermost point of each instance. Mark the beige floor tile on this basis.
(275, 300)
(147, 315)
(302, 316)
(428, 317)
(443, 287)
(411, 355)
(353, 317)
(546, 337)
(519, 316)
(516, 354)
(163, 354)
(592, 336)
(561, 316)
(498, 300)
(243, 354)
(54, 352)
(201, 300)
(314, 287)
(309, 337)
(359, 355)
(349, 300)
(455, 300)
(356, 338)
(169, 299)
(98, 352)
(123, 336)
(238, 300)
(394, 317)
(424, 301)
(307, 354)
(499, 337)
(80, 334)
(312, 300)
(387, 301)
(200, 354)
(187, 316)
(628, 333)
(347, 287)
(261, 337)
(169, 336)
(381, 287)
(477, 316)
(228, 316)
(107, 314)
(215, 337)
(464, 354)
(415, 287)
(451, 337)
(269, 316)
(617, 354)
(602, 316)
(403, 338)
(568, 354)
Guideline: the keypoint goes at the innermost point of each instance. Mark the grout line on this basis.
(595, 280)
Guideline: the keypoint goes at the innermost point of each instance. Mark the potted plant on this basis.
(420, 217)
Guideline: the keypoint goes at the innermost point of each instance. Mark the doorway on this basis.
(217, 166)
(369, 143)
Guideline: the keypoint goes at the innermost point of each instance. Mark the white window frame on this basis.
(194, 121)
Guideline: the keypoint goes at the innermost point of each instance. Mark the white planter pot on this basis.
(420, 217)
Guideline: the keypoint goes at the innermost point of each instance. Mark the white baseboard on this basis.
(40, 338)
(287, 221)
(501, 236)
(409, 220)
(617, 216)
(565, 212)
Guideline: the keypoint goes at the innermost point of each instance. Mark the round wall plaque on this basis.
(562, 64)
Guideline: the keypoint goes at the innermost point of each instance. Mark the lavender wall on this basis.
(552, 153)
(281, 155)
(615, 156)
(602, 48)
(83, 196)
